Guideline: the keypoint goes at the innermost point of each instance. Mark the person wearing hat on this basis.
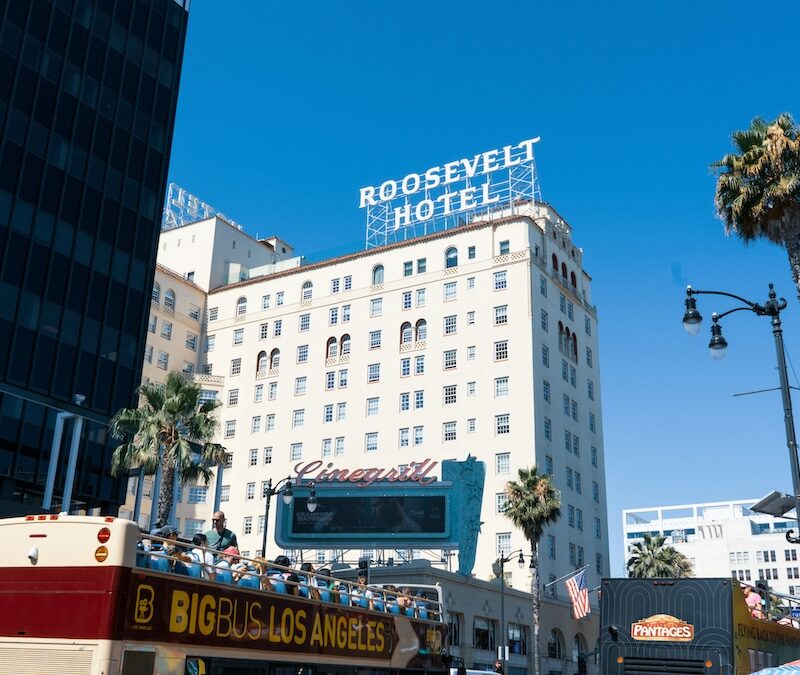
(219, 537)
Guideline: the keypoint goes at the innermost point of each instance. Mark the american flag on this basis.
(579, 595)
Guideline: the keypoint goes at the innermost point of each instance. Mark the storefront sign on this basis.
(662, 628)
(415, 472)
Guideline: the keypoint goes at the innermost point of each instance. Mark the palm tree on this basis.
(533, 503)
(170, 429)
(758, 188)
(652, 558)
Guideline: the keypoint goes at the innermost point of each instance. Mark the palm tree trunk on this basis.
(535, 602)
(792, 243)
(167, 494)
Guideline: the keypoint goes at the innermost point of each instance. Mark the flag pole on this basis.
(565, 576)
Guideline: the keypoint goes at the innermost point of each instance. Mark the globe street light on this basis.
(284, 487)
(718, 344)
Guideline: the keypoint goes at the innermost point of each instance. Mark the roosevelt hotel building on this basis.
(477, 340)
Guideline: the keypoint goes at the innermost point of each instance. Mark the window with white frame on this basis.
(501, 350)
(271, 422)
(594, 456)
(546, 390)
(213, 313)
(272, 391)
(422, 265)
(450, 324)
(230, 428)
(449, 431)
(238, 336)
(345, 313)
(194, 312)
(470, 389)
(191, 342)
(330, 380)
(470, 425)
(548, 429)
(255, 424)
(296, 452)
(253, 457)
(405, 401)
(450, 394)
(152, 323)
(405, 367)
(163, 360)
(503, 543)
(544, 321)
(471, 318)
(587, 325)
(502, 424)
(449, 359)
(403, 437)
(376, 307)
(300, 386)
(343, 378)
(501, 386)
(302, 354)
(545, 356)
(470, 283)
(339, 446)
(148, 353)
(334, 286)
(341, 411)
(268, 455)
(371, 441)
(450, 291)
(298, 418)
(277, 327)
(419, 365)
(279, 298)
(265, 301)
(374, 372)
(500, 280)
(197, 494)
(471, 353)
(166, 330)
(327, 447)
(420, 297)
(592, 423)
(305, 322)
(211, 341)
(225, 493)
(589, 357)
(406, 300)
(348, 282)
(263, 331)
(247, 526)
(502, 462)
(374, 339)
(333, 316)
(372, 406)
(236, 366)
(307, 292)
(419, 399)
(408, 268)
(419, 435)
(590, 390)
(233, 397)
(327, 413)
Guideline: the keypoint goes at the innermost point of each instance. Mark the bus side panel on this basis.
(758, 643)
(59, 602)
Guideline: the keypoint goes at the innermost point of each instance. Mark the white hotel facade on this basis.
(479, 340)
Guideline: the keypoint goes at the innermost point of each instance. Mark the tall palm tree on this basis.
(758, 187)
(653, 558)
(533, 503)
(170, 429)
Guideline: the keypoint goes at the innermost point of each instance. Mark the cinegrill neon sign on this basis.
(452, 188)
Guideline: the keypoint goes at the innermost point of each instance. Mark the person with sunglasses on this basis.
(219, 537)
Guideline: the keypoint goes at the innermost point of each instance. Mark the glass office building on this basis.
(88, 92)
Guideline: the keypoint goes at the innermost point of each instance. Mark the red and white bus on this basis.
(79, 596)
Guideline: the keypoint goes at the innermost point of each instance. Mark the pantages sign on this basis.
(464, 185)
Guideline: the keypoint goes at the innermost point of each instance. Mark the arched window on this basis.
(331, 348)
(564, 272)
(377, 275)
(578, 647)
(555, 262)
(573, 280)
(422, 330)
(241, 306)
(345, 344)
(406, 333)
(451, 257)
(156, 292)
(308, 290)
(262, 361)
(169, 299)
(275, 358)
(555, 647)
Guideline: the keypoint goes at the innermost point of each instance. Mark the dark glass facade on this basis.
(88, 91)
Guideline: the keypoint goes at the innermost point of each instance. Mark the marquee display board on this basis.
(450, 195)
(385, 508)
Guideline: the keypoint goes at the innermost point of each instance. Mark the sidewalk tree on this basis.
(172, 429)
(758, 186)
(533, 503)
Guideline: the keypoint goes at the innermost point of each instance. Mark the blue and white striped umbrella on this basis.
(779, 670)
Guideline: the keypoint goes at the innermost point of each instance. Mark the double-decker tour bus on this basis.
(84, 595)
(691, 626)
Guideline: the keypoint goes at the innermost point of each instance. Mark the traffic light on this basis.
(762, 588)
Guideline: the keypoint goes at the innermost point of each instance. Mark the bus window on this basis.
(138, 663)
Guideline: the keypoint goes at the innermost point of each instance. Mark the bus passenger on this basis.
(219, 537)
(406, 602)
(202, 556)
(361, 596)
(225, 565)
(390, 593)
(754, 602)
(282, 578)
(309, 585)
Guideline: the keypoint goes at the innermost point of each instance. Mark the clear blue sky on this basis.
(287, 109)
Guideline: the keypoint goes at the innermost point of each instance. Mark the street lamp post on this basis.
(288, 496)
(771, 308)
(500, 566)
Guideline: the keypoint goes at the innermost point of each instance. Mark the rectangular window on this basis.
(191, 342)
(166, 330)
(545, 356)
(470, 389)
(418, 435)
(562, 302)
(422, 265)
(420, 297)
(505, 247)
(546, 390)
(544, 321)
(334, 286)
(253, 457)
(570, 481)
(194, 312)
(588, 357)
(327, 413)
(450, 291)
(277, 327)
(339, 446)
(598, 530)
(574, 410)
(500, 280)
(405, 367)
(471, 252)
(567, 441)
(578, 487)
(327, 447)
(501, 386)
(213, 313)
(343, 376)
(188, 368)
(405, 401)
(564, 370)
(403, 438)
(419, 400)
(238, 336)
(502, 463)
(570, 515)
(471, 318)
(272, 391)
(470, 283)
(551, 547)
(333, 316)
(543, 285)
(296, 452)
(298, 418)
(590, 390)
(449, 431)
(548, 429)
(375, 339)
(408, 268)
(471, 425)
(247, 528)
(576, 446)
(371, 441)
(594, 456)
(279, 298)
(565, 404)
(450, 394)
(572, 376)
(548, 465)
(152, 323)
(268, 455)
(263, 331)
(345, 313)
(225, 493)
(271, 422)
(233, 397)
(236, 366)
(341, 411)
(500, 315)
(210, 342)
(592, 423)
(374, 372)
(407, 300)
(305, 322)
(450, 359)
(570, 309)
(163, 360)
(503, 543)
(450, 324)
(265, 301)
(348, 282)
(148, 353)
(500, 502)
(376, 307)
(587, 325)
(595, 491)
(302, 354)
(372, 406)
(330, 380)
(419, 365)
(501, 350)
(230, 428)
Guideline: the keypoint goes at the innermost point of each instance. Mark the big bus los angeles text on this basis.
(80, 596)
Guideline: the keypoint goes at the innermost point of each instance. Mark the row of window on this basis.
(548, 460)
(166, 332)
(169, 301)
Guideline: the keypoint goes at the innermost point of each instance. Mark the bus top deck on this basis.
(99, 582)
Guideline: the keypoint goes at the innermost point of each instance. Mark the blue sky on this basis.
(287, 109)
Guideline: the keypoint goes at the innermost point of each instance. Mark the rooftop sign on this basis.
(436, 197)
